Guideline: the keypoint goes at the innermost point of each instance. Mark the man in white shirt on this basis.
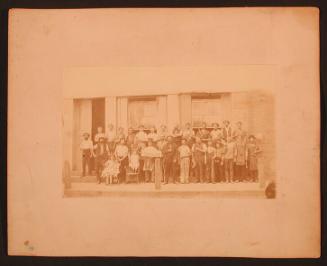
(86, 147)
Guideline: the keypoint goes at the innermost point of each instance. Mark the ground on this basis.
(88, 187)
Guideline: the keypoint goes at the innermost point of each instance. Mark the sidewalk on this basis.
(88, 188)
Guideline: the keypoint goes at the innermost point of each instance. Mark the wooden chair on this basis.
(131, 175)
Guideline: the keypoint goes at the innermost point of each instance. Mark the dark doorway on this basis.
(98, 115)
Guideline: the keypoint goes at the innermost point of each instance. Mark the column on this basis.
(161, 111)
(122, 115)
(185, 108)
(110, 111)
(172, 111)
(68, 128)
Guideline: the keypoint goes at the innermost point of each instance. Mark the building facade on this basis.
(254, 109)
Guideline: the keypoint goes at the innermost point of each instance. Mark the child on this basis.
(184, 152)
(111, 169)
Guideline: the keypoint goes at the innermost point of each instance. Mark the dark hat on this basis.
(86, 134)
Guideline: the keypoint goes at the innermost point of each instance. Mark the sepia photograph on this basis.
(164, 132)
(183, 144)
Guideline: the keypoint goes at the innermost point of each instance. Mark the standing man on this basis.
(184, 153)
(130, 139)
(227, 130)
(188, 134)
(101, 154)
(111, 137)
(120, 134)
(240, 158)
(252, 153)
(153, 135)
(86, 147)
(239, 133)
(199, 151)
(229, 158)
(162, 135)
(211, 152)
(169, 158)
(219, 162)
(99, 134)
(203, 133)
(177, 135)
(141, 136)
(216, 133)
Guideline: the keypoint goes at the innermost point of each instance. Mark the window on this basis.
(142, 111)
(207, 110)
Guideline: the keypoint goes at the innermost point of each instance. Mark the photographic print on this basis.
(164, 132)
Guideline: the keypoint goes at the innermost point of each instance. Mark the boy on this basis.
(86, 147)
(184, 153)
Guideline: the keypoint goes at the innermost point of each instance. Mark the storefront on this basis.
(129, 97)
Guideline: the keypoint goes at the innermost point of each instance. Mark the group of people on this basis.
(221, 154)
